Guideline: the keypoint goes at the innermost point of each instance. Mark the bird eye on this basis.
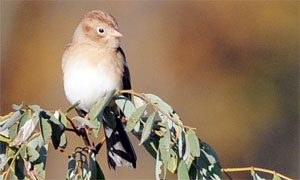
(100, 30)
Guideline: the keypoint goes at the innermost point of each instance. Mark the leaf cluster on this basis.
(26, 133)
(176, 148)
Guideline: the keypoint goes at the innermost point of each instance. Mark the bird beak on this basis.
(117, 34)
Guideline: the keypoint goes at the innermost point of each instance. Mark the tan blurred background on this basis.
(230, 69)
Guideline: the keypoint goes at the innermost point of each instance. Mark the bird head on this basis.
(98, 28)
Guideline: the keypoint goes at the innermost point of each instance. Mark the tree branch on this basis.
(80, 132)
(73, 126)
(230, 170)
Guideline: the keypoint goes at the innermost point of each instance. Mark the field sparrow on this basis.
(93, 65)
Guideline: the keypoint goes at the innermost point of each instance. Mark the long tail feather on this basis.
(119, 149)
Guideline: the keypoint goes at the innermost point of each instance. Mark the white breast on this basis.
(88, 82)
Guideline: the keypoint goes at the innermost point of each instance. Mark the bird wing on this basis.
(126, 73)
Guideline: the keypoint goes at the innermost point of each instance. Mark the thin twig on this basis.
(4, 117)
(226, 173)
(80, 132)
(142, 96)
(70, 129)
(85, 137)
(73, 126)
(99, 145)
(13, 161)
(230, 170)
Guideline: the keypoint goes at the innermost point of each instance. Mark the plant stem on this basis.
(73, 126)
(99, 145)
(228, 170)
(80, 132)
(85, 137)
(13, 161)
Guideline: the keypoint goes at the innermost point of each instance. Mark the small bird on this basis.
(93, 65)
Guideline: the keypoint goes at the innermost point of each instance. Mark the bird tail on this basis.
(119, 148)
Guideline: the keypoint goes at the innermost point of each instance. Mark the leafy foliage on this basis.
(83, 165)
(26, 133)
(23, 150)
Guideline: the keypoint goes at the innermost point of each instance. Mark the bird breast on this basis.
(90, 74)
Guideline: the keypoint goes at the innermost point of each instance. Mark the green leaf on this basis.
(216, 171)
(10, 153)
(36, 142)
(3, 119)
(40, 168)
(211, 159)
(3, 147)
(180, 143)
(23, 153)
(207, 165)
(4, 135)
(19, 168)
(71, 167)
(4, 139)
(11, 121)
(209, 153)
(73, 106)
(158, 167)
(62, 118)
(187, 157)
(165, 107)
(137, 127)
(96, 131)
(86, 172)
(256, 176)
(32, 154)
(148, 127)
(13, 131)
(172, 164)
(13, 176)
(57, 132)
(151, 144)
(35, 108)
(17, 107)
(63, 141)
(85, 122)
(43, 153)
(46, 130)
(182, 172)
(157, 100)
(39, 164)
(125, 105)
(276, 177)
(164, 149)
(52, 118)
(135, 117)
(25, 117)
(100, 105)
(193, 143)
(25, 132)
(95, 168)
(192, 148)
(51, 127)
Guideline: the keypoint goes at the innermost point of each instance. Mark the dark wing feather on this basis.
(126, 74)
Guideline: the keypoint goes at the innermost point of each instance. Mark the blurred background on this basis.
(230, 69)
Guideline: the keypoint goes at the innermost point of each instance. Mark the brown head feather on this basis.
(102, 16)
